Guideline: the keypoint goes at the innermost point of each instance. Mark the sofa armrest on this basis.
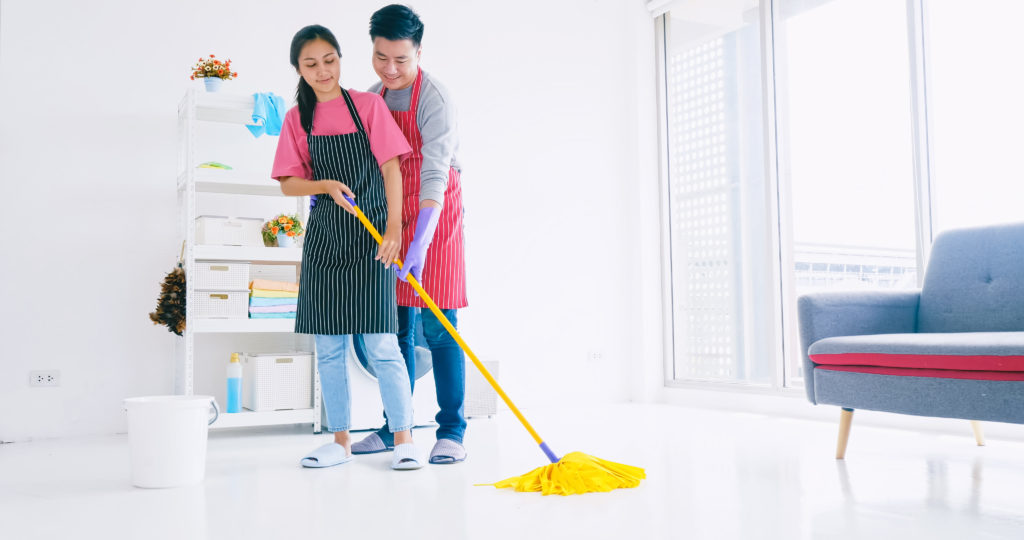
(857, 313)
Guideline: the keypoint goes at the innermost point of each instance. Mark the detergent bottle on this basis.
(234, 385)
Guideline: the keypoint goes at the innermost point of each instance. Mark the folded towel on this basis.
(263, 302)
(264, 293)
(272, 309)
(270, 285)
(272, 315)
(268, 112)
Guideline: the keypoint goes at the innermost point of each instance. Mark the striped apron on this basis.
(342, 290)
(444, 271)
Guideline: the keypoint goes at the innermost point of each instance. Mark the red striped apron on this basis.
(444, 271)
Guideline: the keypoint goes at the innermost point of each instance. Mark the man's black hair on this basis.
(395, 23)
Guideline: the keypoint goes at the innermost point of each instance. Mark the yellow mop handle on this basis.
(455, 334)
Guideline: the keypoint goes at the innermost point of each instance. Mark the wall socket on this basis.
(594, 356)
(50, 377)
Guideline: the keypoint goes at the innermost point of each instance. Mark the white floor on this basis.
(711, 475)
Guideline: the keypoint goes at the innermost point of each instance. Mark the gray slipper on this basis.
(328, 455)
(372, 444)
(446, 452)
(407, 457)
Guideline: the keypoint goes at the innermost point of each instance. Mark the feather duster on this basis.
(170, 307)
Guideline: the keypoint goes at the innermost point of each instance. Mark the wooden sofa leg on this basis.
(845, 418)
(979, 436)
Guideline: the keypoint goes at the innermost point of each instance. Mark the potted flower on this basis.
(213, 72)
(282, 231)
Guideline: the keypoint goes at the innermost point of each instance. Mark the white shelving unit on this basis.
(197, 110)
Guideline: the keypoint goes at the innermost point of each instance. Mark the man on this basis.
(432, 220)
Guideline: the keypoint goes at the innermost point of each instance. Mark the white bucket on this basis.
(168, 439)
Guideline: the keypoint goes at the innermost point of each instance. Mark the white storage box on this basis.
(273, 382)
(222, 276)
(225, 231)
(221, 305)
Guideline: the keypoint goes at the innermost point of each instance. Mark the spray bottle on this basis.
(234, 385)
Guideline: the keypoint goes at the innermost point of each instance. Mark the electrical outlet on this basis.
(594, 356)
(50, 377)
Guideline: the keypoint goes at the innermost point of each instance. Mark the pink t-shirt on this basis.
(333, 118)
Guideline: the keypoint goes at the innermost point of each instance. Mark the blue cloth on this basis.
(288, 315)
(257, 301)
(267, 114)
(386, 358)
(449, 367)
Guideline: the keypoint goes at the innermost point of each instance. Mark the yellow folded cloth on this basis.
(264, 293)
(271, 285)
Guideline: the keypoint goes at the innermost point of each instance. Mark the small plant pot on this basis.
(285, 241)
(213, 84)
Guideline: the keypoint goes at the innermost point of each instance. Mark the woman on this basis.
(336, 143)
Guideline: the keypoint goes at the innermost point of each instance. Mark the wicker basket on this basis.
(221, 305)
(275, 382)
(222, 276)
(224, 231)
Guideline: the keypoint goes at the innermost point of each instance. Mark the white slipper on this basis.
(407, 457)
(328, 455)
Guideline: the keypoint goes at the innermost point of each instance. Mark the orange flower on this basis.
(216, 62)
(234, 75)
(274, 229)
(193, 77)
(287, 226)
(211, 56)
(220, 72)
(291, 233)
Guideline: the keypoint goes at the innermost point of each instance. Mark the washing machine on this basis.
(367, 407)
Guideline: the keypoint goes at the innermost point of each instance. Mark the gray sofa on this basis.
(953, 349)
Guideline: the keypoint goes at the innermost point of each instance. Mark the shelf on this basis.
(248, 418)
(242, 326)
(223, 107)
(233, 182)
(248, 254)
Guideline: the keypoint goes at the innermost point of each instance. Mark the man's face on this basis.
(395, 62)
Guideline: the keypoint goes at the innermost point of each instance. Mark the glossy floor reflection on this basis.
(711, 475)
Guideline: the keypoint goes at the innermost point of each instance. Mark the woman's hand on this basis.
(390, 245)
(337, 191)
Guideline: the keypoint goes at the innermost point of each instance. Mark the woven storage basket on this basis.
(225, 231)
(222, 276)
(221, 305)
(277, 381)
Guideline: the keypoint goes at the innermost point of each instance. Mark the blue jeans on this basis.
(449, 369)
(383, 351)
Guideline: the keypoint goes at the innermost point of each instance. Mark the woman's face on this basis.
(395, 62)
(318, 65)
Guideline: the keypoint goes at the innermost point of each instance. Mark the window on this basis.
(845, 147)
(716, 191)
(975, 111)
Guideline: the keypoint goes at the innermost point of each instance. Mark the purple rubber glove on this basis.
(426, 223)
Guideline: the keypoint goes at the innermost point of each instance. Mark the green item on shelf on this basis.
(214, 165)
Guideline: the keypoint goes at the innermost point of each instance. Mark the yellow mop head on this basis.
(575, 474)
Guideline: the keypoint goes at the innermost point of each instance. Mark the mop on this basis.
(576, 472)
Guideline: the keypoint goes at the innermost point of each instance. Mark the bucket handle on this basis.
(216, 411)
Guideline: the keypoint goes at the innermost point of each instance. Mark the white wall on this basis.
(556, 103)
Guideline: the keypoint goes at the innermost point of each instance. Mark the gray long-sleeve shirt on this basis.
(435, 118)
